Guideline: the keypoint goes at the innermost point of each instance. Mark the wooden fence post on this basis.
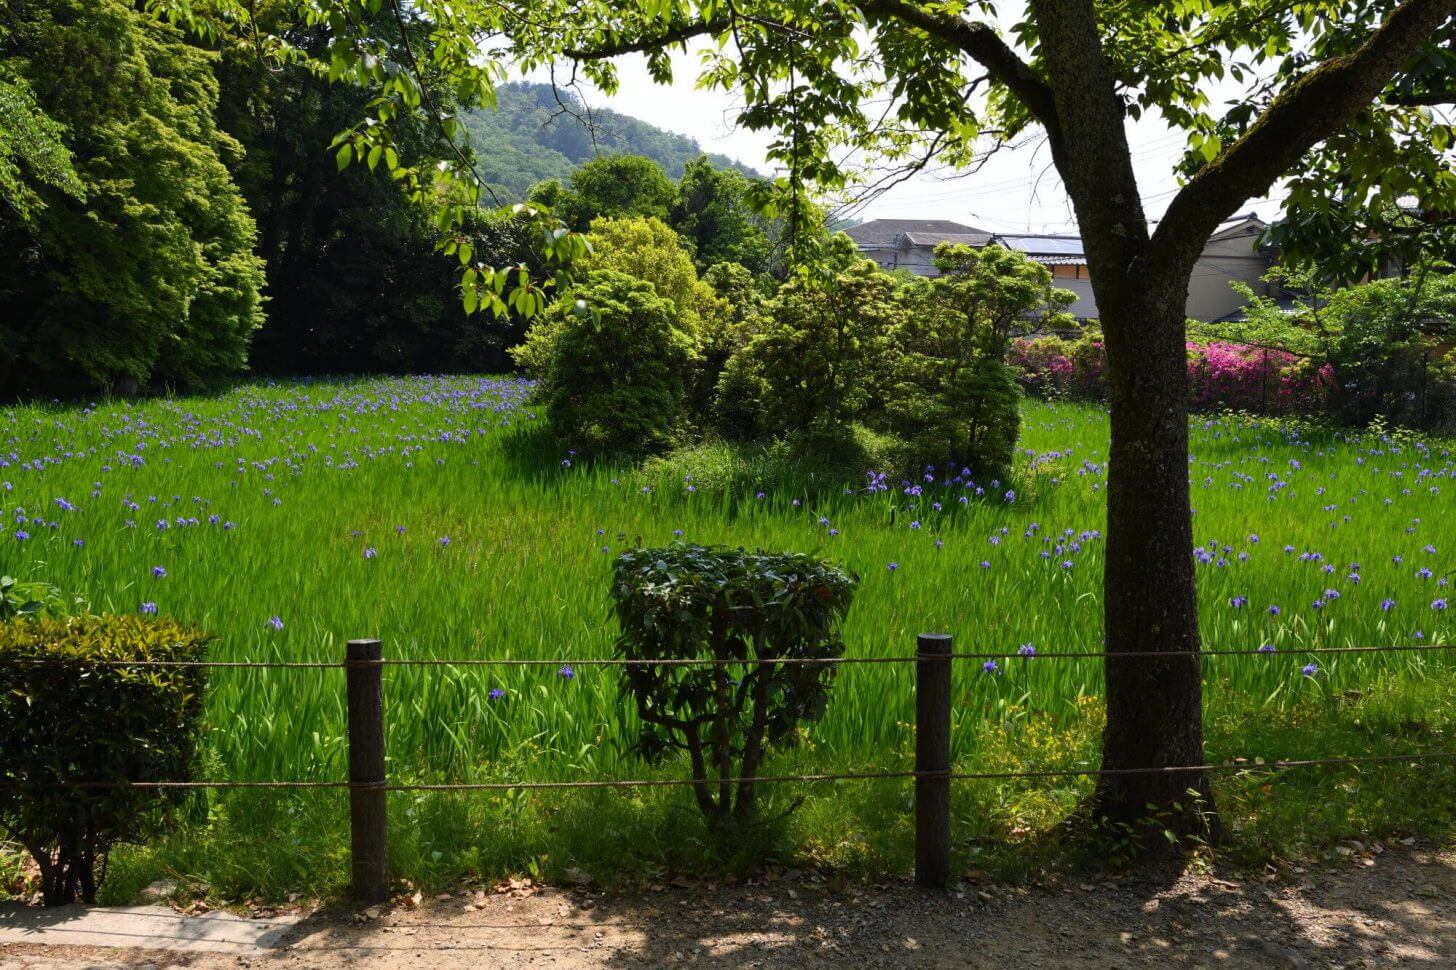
(368, 825)
(932, 760)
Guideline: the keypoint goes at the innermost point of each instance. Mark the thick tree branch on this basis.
(1092, 155)
(1311, 109)
(614, 47)
(982, 44)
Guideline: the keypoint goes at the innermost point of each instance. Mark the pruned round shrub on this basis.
(67, 719)
(750, 611)
(615, 382)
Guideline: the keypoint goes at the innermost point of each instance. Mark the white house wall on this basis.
(1223, 262)
(1085, 306)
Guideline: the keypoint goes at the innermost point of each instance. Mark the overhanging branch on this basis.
(1312, 108)
(977, 40)
(615, 47)
(982, 44)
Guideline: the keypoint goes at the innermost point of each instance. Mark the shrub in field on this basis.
(953, 395)
(649, 250)
(618, 366)
(823, 351)
(728, 317)
(64, 718)
(749, 611)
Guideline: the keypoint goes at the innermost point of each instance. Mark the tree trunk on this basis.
(1154, 706)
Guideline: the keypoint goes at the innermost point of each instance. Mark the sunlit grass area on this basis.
(435, 514)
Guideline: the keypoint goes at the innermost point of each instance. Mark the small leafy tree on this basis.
(618, 362)
(749, 612)
(65, 719)
(647, 249)
(954, 395)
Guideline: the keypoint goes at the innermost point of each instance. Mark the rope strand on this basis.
(710, 662)
(1236, 765)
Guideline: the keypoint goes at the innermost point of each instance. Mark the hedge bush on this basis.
(618, 368)
(64, 718)
(687, 602)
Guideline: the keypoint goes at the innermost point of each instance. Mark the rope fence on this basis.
(369, 787)
(729, 661)
(1237, 765)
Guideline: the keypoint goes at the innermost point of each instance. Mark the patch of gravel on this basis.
(1377, 907)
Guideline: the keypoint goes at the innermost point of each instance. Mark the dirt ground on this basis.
(1376, 906)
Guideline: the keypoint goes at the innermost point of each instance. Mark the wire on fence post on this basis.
(368, 823)
(932, 760)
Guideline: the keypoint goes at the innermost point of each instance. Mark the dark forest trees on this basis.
(355, 283)
(128, 249)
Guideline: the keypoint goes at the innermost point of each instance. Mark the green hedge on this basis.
(66, 718)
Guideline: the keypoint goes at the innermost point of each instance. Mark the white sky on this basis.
(1016, 191)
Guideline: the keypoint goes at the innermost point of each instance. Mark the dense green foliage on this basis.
(355, 282)
(740, 609)
(1387, 344)
(609, 187)
(616, 377)
(715, 213)
(144, 274)
(31, 599)
(645, 248)
(823, 347)
(535, 133)
(33, 153)
(65, 718)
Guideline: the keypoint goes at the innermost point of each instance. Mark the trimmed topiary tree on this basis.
(751, 611)
(64, 719)
(616, 378)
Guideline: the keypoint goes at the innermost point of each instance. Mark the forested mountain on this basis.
(534, 136)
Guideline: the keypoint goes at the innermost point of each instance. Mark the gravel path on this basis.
(1378, 906)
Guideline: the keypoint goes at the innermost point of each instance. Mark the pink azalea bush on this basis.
(1220, 375)
(1053, 367)
(1253, 379)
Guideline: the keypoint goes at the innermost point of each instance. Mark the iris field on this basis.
(437, 515)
